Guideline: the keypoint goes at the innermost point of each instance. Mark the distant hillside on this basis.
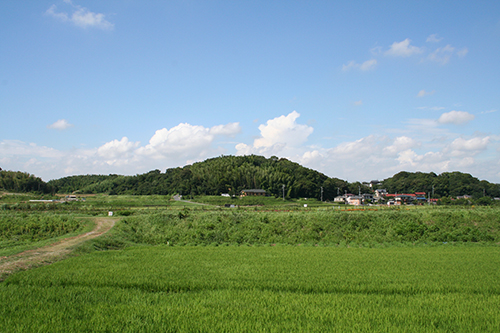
(447, 184)
(231, 174)
(225, 174)
(17, 181)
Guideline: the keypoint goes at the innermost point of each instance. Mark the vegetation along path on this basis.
(51, 253)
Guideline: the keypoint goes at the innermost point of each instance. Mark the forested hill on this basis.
(225, 174)
(447, 184)
(17, 181)
(231, 174)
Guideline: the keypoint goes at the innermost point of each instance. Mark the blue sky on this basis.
(357, 90)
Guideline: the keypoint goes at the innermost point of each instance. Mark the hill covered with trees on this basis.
(17, 181)
(224, 174)
(231, 174)
(447, 184)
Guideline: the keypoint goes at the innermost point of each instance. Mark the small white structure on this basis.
(110, 213)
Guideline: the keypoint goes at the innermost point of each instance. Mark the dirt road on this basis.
(50, 253)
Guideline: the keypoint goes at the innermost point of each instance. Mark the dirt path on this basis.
(51, 253)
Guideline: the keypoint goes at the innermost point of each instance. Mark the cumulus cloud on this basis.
(400, 144)
(81, 17)
(365, 66)
(61, 124)
(277, 134)
(455, 117)
(177, 146)
(185, 140)
(423, 93)
(403, 49)
(434, 38)
(471, 146)
(117, 151)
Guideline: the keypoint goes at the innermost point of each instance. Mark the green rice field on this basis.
(260, 289)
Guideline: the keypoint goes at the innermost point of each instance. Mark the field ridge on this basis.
(54, 252)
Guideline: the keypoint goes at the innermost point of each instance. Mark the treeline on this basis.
(225, 174)
(445, 185)
(231, 174)
(17, 181)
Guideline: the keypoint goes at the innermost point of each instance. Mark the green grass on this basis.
(267, 202)
(324, 227)
(20, 231)
(261, 289)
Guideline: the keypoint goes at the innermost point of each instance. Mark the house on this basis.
(255, 192)
(343, 198)
(380, 193)
(354, 200)
(367, 196)
(339, 199)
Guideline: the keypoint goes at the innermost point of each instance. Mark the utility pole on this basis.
(321, 193)
(283, 192)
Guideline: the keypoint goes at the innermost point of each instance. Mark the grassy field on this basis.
(185, 267)
(20, 231)
(262, 289)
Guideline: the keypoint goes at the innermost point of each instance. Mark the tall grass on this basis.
(21, 229)
(366, 228)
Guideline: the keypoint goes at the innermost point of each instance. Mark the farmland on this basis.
(282, 288)
(170, 266)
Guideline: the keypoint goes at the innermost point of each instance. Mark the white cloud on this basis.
(403, 49)
(400, 144)
(81, 17)
(442, 54)
(377, 50)
(61, 124)
(230, 129)
(433, 108)
(358, 103)
(173, 147)
(277, 134)
(365, 66)
(423, 93)
(189, 141)
(434, 38)
(463, 52)
(117, 151)
(437, 108)
(455, 117)
(14, 148)
(471, 146)
(489, 111)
